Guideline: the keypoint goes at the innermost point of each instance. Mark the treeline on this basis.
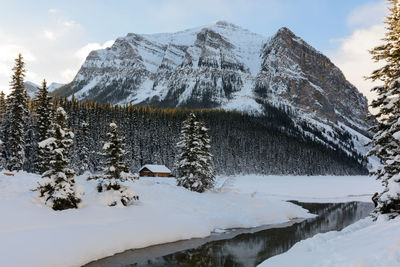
(241, 143)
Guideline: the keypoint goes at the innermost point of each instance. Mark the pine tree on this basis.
(16, 114)
(194, 170)
(30, 137)
(386, 140)
(3, 105)
(43, 114)
(58, 187)
(82, 148)
(206, 157)
(3, 123)
(389, 50)
(115, 170)
(2, 159)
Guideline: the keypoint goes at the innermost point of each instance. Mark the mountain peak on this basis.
(285, 34)
(285, 37)
(285, 30)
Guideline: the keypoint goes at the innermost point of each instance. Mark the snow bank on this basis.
(32, 234)
(364, 243)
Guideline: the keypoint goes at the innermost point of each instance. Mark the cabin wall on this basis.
(147, 173)
(162, 174)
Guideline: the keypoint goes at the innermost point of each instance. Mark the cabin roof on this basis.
(156, 168)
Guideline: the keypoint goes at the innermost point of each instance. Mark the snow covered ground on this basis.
(364, 243)
(31, 234)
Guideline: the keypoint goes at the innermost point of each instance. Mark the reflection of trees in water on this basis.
(243, 252)
(251, 249)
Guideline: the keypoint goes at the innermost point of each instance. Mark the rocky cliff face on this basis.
(295, 74)
(224, 66)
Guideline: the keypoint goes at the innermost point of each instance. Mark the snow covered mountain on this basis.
(32, 88)
(225, 66)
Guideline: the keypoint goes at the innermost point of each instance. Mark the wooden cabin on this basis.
(150, 170)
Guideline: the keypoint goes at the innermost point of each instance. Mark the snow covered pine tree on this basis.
(29, 137)
(43, 112)
(116, 170)
(206, 156)
(14, 122)
(3, 104)
(386, 141)
(81, 152)
(194, 167)
(58, 187)
(3, 108)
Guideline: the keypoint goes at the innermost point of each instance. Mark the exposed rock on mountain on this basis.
(295, 74)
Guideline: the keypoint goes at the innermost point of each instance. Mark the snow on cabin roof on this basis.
(156, 168)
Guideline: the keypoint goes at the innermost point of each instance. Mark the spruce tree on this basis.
(2, 158)
(194, 170)
(3, 128)
(29, 136)
(115, 170)
(82, 149)
(14, 144)
(386, 140)
(3, 105)
(58, 187)
(43, 114)
(206, 158)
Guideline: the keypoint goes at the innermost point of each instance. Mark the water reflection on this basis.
(246, 247)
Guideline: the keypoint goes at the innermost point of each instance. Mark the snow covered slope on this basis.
(225, 66)
(54, 86)
(32, 88)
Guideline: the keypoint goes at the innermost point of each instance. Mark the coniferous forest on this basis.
(240, 143)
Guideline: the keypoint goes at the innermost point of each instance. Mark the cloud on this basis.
(48, 52)
(84, 51)
(70, 23)
(170, 15)
(68, 74)
(49, 35)
(9, 50)
(352, 55)
(368, 15)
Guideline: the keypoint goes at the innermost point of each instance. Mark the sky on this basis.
(56, 36)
